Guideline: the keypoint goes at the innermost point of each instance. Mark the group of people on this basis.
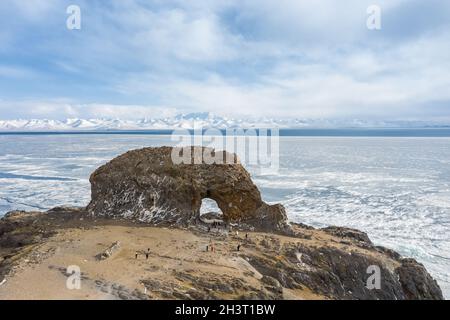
(216, 225)
(147, 254)
(211, 247)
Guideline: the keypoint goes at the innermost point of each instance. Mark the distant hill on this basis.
(204, 120)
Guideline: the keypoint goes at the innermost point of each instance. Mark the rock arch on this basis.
(146, 185)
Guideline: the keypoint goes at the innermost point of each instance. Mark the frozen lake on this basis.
(397, 189)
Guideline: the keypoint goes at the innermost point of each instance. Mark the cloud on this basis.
(402, 81)
(250, 57)
(175, 33)
(63, 109)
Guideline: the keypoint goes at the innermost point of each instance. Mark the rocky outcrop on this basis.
(146, 185)
(350, 234)
(108, 252)
(20, 231)
(329, 263)
(340, 274)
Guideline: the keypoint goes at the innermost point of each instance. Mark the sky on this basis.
(243, 58)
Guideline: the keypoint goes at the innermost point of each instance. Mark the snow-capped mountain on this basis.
(198, 120)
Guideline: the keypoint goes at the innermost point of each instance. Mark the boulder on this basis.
(350, 234)
(417, 282)
(146, 185)
(108, 252)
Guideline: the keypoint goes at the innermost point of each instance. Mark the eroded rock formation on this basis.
(146, 185)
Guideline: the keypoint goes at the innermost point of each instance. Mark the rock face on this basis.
(146, 185)
(338, 273)
(329, 263)
(417, 282)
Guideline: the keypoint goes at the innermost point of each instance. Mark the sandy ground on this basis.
(171, 251)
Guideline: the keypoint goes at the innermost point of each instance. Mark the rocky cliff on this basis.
(333, 263)
(145, 205)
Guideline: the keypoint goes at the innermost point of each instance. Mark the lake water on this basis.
(395, 188)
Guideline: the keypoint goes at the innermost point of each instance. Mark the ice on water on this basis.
(395, 189)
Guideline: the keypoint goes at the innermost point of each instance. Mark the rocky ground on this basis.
(142, 237)
(36, 249)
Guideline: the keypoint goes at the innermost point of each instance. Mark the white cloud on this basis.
(63, 109)
(310, 24)
(175, 33)
(281, 58)
(397, 82)
(125, 111)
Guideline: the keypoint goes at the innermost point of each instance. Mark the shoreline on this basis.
(345, 132)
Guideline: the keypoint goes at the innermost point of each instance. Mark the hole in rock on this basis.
(209, 210)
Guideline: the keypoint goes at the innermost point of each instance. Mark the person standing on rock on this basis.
(239, 247)
(136, 255)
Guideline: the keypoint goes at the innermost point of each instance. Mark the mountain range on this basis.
(200, 120)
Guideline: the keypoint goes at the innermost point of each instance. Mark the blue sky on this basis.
(306, 59)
